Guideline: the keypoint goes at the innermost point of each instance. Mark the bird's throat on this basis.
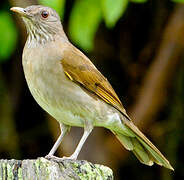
(38, 34)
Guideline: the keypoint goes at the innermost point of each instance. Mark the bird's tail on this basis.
(134, 140)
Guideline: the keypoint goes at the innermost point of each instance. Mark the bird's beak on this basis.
(20, 11)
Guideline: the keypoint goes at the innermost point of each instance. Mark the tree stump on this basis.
(43, 169)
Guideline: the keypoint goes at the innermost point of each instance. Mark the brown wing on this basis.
(80, 69)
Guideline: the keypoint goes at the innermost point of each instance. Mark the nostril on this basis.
(24, 10)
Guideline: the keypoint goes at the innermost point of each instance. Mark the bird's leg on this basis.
(64, 129)
(87, 131)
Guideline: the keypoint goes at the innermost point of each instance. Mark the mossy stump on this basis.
(43, 169)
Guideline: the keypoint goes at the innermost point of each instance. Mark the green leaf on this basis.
(8, 36)
(58, 5)
(178, 1)
(84, 20)
(139, 1)
(113, 10)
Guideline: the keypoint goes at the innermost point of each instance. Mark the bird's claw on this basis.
(57, 159)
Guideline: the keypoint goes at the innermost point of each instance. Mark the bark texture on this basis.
(42, 169)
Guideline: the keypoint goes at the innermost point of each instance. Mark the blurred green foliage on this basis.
(113, 10)
(139, 1)
(87, 15)
(84, 21)
(178, 1)
(8, 35)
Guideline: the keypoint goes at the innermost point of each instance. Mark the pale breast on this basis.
(55, 93)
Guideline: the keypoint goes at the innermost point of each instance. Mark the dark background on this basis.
(142, 57)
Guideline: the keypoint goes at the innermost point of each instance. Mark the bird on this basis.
(68, 86)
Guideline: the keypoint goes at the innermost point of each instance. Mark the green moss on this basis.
(44, 169)
(20, 174)
(41, 165)
(88, 170)
(9, 171)
(105, 171)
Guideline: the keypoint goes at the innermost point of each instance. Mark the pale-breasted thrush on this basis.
(66, 84)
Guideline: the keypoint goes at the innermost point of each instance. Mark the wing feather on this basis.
(80, 69)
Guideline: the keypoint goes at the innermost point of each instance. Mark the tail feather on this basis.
(159, 159)
(141, 146)
(132, 144)
(141, 153)
(126, 141)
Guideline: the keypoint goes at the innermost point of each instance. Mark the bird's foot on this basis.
(54, 158)
(57, 159)
(72, 157)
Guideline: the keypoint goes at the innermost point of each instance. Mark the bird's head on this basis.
(42, 23)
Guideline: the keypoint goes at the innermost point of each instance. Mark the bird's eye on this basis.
(45, 14)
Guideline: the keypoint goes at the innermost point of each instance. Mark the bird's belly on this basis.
(62, 98)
